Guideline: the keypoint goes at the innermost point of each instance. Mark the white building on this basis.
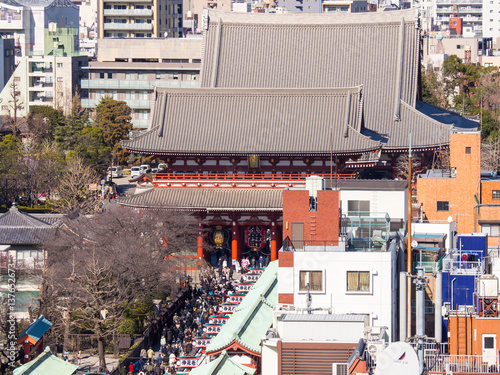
(341, 282)
(491, 19)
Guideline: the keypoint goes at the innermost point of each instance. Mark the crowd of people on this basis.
(178, 334)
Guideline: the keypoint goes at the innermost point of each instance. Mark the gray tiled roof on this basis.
(10, 235)
(21, 228)
(376, 50)
(208, 199)
(242, 121)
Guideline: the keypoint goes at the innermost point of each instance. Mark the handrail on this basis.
(246, 177)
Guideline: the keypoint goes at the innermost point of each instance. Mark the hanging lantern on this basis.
(255, 236)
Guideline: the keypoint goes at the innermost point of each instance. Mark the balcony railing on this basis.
(451, 364)
(117, 84)
(457, 266)
(128, 26)
(128, 12)
(227, 180)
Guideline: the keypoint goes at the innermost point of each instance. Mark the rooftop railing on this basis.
(472, 364)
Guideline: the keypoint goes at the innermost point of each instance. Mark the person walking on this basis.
(151, 353)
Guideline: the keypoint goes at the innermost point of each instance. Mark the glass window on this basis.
(443, 206)
(495, 194)
(358, 208)
(313, 278)
(358, 281)
(468, 150)
(101, 75)
(145, 95)
(491, 229)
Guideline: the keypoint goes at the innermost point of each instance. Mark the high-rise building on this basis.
(140, 18)
(491, 18)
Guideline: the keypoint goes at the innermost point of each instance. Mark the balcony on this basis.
(140, 123)
(128, 12)
(458, 263)
(129, 26)
(135, 104)
(116, 84)
(460, 2)
(314, 246)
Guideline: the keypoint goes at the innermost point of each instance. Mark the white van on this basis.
(115, 172)
(135, 172)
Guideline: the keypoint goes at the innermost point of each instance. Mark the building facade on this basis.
(140, 19)
(129, 70)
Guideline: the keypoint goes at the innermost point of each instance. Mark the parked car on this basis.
(135, 172)
(115, 172)
(144, 168)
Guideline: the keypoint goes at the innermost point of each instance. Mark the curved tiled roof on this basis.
(207, 199)
(379, 51)
(243, 121)
(17, 228)
(251, 321)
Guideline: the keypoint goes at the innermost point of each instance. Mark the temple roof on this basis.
(378, 51)
(262, 121)
(223, 365)
(204, 199)
(46, 363)
(18, 228)
(253, 317)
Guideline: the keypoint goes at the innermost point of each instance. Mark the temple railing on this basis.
(228, 180)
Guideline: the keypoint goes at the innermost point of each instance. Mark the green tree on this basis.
(432, 91)
(113, 117)
(9, 168)
(52, 117)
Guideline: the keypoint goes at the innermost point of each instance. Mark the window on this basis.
(101, 75)
(59, 79)
(495, 194)
(443, 206)
(59, 65)
(358, 208)
(467, 150)
(145, 95)
(142, 76)
(491, 229)
(358, 281)
(313, 278)
(110, 75)
(159, 75)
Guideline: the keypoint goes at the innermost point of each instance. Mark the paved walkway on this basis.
(90, 363)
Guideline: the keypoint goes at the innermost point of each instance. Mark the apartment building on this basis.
(470, 11)
(130, 69)
(140, 18)
(491, 18)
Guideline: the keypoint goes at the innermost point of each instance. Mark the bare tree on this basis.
(490, 154)
(100, 265)
(15, 106)
(74, 187)
(403, 166)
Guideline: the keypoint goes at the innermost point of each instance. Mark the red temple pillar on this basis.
(235, 234)
(274, 242)
(200, 242)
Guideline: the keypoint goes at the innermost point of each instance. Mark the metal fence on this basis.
(474, 364)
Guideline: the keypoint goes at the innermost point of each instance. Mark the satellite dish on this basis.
(398, 358)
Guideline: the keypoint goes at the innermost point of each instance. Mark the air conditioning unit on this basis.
(340, 369)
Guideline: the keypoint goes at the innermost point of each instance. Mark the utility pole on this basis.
(408, 245)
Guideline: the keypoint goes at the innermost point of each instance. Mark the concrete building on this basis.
(491, 19)
(26, 21)
(470, 11)
(49, 78)
(130, 69)
(140, 19)
(340, 6)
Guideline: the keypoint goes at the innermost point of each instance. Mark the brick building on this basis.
(461, 193)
